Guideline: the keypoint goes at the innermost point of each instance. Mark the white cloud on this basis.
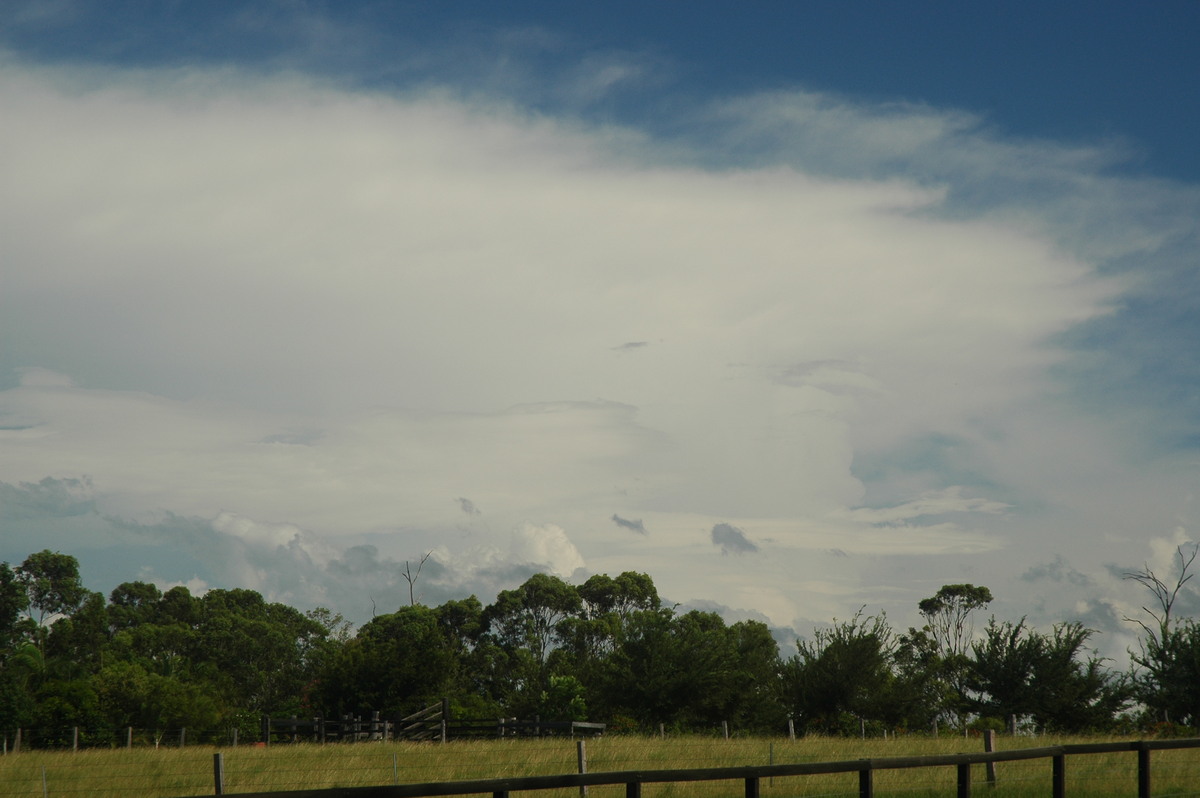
(933, 503)
(320, 318)
(547, 547)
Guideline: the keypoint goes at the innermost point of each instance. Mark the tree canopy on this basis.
(605, 650)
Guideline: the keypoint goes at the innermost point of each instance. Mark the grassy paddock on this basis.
(188, 771)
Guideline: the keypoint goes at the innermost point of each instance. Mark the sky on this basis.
(800, 308)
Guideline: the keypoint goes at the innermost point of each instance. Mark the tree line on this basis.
(606, 650)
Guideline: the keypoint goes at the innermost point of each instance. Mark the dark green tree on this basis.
(14, 602)
(690, 671)
(258, 653)
(527, 625)
(397, 663)
(1001, 673)
(1075, 691)
(52, 583)
(844, 676)
(1048, 679)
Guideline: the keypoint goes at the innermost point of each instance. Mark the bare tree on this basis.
(1168, 657)
(411, 577)
(1164, 594)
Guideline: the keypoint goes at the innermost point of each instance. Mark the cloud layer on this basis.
(313, 320)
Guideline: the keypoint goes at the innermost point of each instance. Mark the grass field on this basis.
(189, 771)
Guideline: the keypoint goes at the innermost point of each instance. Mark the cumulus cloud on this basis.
(546, 546)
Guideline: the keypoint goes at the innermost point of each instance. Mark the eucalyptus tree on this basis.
(943, 644)
(52, 585)
(525, 625)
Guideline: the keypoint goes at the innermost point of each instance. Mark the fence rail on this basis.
(431, 723)
(753, 775)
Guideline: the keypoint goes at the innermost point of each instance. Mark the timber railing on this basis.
(752, 775)
(431, 723)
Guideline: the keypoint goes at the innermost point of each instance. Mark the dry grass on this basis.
(189, 771)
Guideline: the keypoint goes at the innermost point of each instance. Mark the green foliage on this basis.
(399, 661)
(844, 671)
(51, 583)
(948, 613)
(691, 671)
(14, 601)
(1019, 672)
(606, 650)
(563, 700)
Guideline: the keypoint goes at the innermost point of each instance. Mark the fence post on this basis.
(581, 756)
(129, 737)
(1059, 776)
(989, 745)
(866, 780)
(752, 787)
(218, 774)
(791, 729)
(182, 736)
(17, 742)
(1143, 753)
(725, 729)
(74, 738)
(235, 732)
(964, 780)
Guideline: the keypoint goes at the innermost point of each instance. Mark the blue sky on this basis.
(796, 307)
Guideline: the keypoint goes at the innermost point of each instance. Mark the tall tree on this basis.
(527, 625)
(948, 616)
(52, 582)
(397, 663)
(944, 643)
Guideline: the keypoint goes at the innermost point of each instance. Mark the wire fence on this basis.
(189, 771)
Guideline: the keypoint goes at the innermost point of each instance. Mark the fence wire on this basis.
(188, 771)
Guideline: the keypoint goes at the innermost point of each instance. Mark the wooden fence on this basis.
(753, 775)
(431, 723)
